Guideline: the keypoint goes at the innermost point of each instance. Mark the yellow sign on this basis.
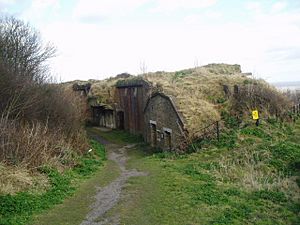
(255, 114)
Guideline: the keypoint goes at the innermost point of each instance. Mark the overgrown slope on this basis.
(250, 177)
(202, 94)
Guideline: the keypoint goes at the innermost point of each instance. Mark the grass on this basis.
(19, 208)
(16, 179)
(199, 93)
(117, 136)
(210, 186)
(75, 208)
(250, 177)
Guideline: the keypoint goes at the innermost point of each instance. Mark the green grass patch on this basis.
(185, 189)
(75, 208)
(196, 188)
(257, 132)
(117, 136)
(19, 208)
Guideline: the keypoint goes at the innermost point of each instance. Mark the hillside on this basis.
(250, 177)
(203, 94)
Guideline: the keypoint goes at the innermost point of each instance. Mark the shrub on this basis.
(39, 120)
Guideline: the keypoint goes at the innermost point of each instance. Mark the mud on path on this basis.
(107, 197)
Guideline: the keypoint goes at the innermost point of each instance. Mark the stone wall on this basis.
(163, 126)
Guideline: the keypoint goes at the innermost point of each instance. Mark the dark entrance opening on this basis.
(168, 140)
(153, 135)
(120, 120)
(96, 115)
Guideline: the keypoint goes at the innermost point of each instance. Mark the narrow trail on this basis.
(107, 197)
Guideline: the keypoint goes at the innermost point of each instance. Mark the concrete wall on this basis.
(163, 126)
(103, 117)
(108, 119)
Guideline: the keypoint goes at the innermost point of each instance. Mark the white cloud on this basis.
(4, 4)
(41, 5)
(197, 19)
(7, 2)
(89, 50)
(254, 7)
(91, 9)
(97, 9)
(174, 5)
(38, 8)
(37, 5)
(278, 6)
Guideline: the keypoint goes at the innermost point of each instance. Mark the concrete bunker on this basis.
(164, 127)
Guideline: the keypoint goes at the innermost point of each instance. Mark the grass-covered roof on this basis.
(200, 94)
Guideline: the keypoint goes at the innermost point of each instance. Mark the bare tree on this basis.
(23, 65)
(38, 119)
(22, 51)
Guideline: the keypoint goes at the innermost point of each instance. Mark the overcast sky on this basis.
(101, 38)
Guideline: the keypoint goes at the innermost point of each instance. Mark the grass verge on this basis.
(120, 137)
(19, 208)
(248, 178)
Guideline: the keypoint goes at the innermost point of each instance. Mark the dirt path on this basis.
(107, 197)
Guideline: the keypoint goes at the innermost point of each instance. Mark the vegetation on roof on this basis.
(139, 80)
(201, 94)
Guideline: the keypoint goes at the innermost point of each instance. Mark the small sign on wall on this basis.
(255, 115)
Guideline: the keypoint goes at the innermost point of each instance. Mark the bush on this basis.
(17, 209)
(39, 120)
(258, 94)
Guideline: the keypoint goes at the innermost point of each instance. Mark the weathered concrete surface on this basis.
(162, 112)
(108, 196)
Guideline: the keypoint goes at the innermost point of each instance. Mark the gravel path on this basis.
(107, 197)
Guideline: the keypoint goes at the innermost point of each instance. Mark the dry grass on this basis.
(199, 94)
(248, 169)
(33, 144)
(16, 179)
(194, 93)
(27, 147)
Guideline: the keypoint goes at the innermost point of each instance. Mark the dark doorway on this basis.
(153, 135)
(96, 115)
(168, 140)
(120, 116)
